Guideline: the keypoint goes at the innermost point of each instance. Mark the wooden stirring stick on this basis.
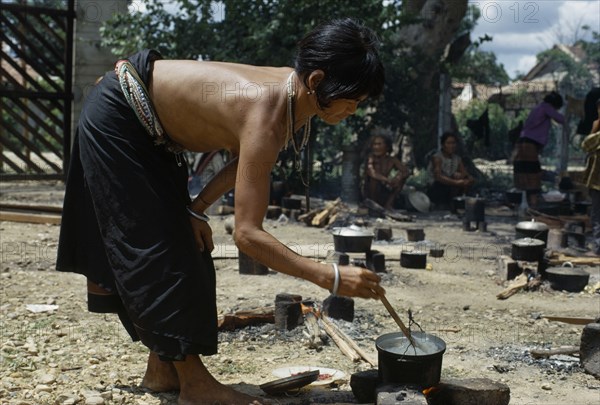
(394, 315)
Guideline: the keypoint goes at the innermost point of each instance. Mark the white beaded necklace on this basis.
(291, 94)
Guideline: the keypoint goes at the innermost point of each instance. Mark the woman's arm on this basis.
(373, 173)
(464, 174)
(554, 114)
(258, 154)
(440, 177)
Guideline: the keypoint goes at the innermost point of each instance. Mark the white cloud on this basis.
(525, 63)
(521, 29)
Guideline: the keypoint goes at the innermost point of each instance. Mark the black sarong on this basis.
(527, 171)
(126, 228)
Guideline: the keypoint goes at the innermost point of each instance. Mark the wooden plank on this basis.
(30, 207)
(30, 218)
(542, 353)
(570, 320)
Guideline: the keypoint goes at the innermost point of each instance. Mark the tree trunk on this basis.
(423, 43)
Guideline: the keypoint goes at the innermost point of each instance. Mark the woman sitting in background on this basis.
(450, 178)
(382, 185)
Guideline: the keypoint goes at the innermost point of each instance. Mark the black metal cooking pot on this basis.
(528, 249)
(474, 209)
(572, 279)
(415, 234)
(394, 367)
(532, 229)
(413, 260)
(513, 197)
(352, 240)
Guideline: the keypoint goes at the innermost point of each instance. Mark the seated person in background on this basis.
(385, 175)
(450, 178)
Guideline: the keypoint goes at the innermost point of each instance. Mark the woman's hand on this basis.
(359, 282)
(202, 234)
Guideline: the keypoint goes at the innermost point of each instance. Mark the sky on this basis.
(521, 29)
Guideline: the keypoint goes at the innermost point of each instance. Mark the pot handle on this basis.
(568, 264)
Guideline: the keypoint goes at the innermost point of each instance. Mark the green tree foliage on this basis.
(500, 123)
(481, 67)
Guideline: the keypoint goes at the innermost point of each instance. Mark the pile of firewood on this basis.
(322, 217)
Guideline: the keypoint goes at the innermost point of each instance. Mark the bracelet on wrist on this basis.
(336, 281)
(200, 217)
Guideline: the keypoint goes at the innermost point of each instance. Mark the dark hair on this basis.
(447, 135)
(386, 139)
(554, 99)
(347, 52)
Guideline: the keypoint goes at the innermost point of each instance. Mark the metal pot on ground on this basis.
(528, 249)
(413, 260)
(474, 209)
(532, 229)
(572, 279)
(352, 240)
(409, 367)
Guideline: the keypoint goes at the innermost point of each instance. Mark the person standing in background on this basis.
(527, 170)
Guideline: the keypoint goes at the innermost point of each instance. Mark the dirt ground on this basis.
(68, 356)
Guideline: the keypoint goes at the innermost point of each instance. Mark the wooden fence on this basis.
(36, 66)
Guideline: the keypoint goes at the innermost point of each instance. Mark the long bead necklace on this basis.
(291, 94)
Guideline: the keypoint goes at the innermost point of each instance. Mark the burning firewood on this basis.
(313, 331)
(241, 319)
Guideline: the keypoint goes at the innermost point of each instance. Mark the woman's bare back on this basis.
(210, 105)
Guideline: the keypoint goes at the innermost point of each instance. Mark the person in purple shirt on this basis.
(527, 171)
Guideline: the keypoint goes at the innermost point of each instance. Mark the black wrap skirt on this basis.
(125, 227)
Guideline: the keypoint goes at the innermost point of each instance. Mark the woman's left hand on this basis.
(202, 234)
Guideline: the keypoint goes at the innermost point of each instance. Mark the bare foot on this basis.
(160, 375)
(199, 387)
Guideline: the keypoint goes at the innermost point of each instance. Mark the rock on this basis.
(470, 391)
(363, 384)
(337, 307)
(507, 268)
(43, 388)
(589, 349)
(94, 401)
(66, 399)
(46, 379)
(107, 395)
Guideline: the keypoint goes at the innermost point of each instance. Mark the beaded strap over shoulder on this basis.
(137, 97)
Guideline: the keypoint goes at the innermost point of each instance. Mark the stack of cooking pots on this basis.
(532, 229)
(528, 250)
(531, 241)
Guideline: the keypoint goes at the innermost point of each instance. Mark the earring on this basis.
(310, 92)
